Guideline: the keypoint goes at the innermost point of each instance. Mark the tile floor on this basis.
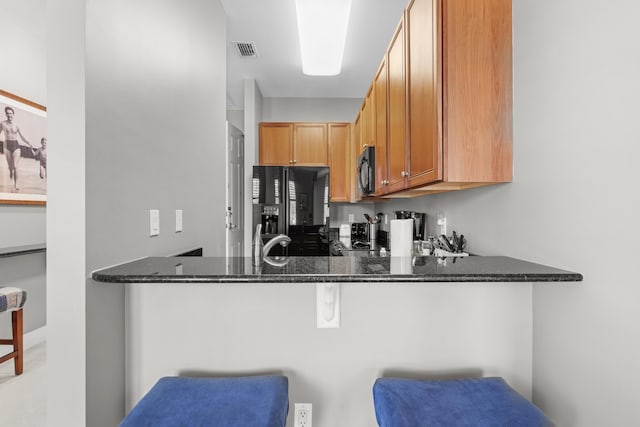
(23, 398)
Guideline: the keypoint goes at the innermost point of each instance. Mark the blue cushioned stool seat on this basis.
(477, 402)
(260, 401)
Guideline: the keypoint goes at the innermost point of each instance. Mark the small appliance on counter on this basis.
(359, 235)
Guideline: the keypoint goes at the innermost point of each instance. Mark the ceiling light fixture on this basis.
(322, 28)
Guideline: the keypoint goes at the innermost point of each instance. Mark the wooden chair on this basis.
(13, 299)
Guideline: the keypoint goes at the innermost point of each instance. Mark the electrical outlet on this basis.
(302, 416)
(442, 222)
(351, 218)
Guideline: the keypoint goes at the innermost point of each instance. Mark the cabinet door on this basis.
(422, 25)
(275, 144)
(380, 97)
(356, 149)
(396, 153)
(310, 144)
(369, 122)
(339, 161)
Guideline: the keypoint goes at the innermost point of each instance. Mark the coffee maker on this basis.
(419, 223)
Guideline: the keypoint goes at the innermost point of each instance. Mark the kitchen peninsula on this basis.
(417, 317)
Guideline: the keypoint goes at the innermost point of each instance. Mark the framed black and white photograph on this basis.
(23, 151)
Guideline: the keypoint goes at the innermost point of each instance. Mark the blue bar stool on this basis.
(260, 401)
(13, 299)
(477, 402)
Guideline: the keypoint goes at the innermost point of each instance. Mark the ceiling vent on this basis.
(246, 49)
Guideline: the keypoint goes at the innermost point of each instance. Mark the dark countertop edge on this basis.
(369, 278)
(22, 250)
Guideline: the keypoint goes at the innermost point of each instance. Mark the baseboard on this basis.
(35, 337)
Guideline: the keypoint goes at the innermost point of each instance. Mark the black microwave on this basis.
(367, 171)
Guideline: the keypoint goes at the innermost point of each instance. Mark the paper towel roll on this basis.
(401, 237)
(401, 265)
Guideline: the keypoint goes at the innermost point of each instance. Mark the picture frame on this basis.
(23, 151)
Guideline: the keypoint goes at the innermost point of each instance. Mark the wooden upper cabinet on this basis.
(356, 149)
(289, 144)
(448, 98)
(380, 97)
(368, 120)
(396, 153)
(310, 144)
(423, 74)
(340, 163)
(276, 144)
(478, 96)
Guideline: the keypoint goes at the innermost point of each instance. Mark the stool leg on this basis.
(16, 323)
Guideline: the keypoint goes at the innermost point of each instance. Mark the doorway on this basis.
(234, 215)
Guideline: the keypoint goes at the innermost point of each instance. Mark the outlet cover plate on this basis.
(302, 415)
(328, 305)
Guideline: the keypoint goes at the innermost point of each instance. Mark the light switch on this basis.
(178, 220)
(154, 222)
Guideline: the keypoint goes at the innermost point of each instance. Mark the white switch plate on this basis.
(302, 415)
(154, 222)
(351, 218)
(178, 220)
(328, 305)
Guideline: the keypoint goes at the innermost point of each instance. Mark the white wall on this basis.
(253, 105)
(476, 329)
(155, 79)
(236, 118)
(576, 89)
(311, 109)
(66, 234)
(24, 73)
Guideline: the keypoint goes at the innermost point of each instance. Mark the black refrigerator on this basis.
(293, 200)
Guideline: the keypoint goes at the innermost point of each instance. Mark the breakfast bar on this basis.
(416, 317)
(361, 269)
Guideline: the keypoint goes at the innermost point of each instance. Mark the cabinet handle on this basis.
(364, 145)
(404, 174)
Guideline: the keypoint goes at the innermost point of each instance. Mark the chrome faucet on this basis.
(283, 239)
(261, 251)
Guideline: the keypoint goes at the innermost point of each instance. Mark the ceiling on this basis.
(272, 26)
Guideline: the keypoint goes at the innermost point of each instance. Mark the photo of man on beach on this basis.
(23, 145)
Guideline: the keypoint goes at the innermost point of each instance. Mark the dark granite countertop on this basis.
(333, 269)
(22, 250)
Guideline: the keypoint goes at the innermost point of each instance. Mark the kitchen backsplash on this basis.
(339, 213)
